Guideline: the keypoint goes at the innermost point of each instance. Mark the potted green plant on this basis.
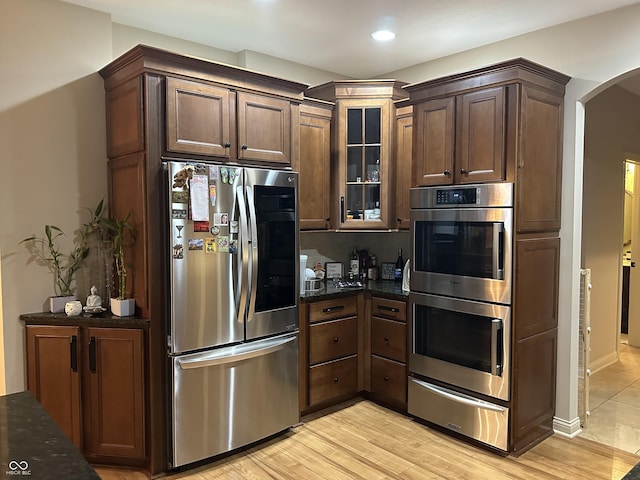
(46, 251)
(121, 306)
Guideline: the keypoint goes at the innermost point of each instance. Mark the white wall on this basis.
(52, 144)
(612, 123)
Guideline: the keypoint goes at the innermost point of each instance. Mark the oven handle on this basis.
(496, 334)
(458, 397)
(498, 251)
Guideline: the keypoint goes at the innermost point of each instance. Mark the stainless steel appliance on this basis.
(461, 342)
(462, 241)
(234, 283)
(460, 309)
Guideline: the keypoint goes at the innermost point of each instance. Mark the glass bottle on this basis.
(397, 273)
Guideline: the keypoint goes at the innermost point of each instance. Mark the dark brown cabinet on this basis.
(211, 120)
(314, 166)
(163, 105)
(363, 174)
(403, 162)
(461, 138)
(329, 356)
(91, 381)
(503, 123)
(389, 351)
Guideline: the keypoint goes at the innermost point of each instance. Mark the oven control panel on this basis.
(458, 196)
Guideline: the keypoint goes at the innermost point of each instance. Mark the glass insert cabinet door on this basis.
(362, 197)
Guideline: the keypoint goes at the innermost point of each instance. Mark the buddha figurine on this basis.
(94, 300)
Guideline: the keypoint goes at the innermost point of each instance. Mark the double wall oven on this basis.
(460, 308)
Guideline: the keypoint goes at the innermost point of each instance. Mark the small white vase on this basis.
(56, 304)
(73, 309)
(123, 308)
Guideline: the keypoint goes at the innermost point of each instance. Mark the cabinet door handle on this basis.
(243, 147)
(464, 172)
(92, 355)
(386, 339)
(227, 145)
(335, 379)
(336, 339)
(447, 173)
(386, 379)
(333, 309)
(73, 347)
(341, 209)
(388, 309)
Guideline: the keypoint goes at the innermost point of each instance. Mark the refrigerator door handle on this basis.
(243, 257)
(226, 356)
(253, 262)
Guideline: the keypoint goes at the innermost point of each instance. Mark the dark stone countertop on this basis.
(104, 319)
(32, 446)
(385, 288)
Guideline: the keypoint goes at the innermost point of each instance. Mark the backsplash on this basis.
(337, 246)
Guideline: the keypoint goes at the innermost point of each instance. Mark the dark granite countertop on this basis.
(32, 446)
(94, 320)
(385, 288)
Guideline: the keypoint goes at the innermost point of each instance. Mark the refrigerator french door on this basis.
(234, 284)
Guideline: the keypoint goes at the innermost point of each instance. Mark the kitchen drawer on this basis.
(333, 379)
(389, 339)
(389, 380)
(387, 308)
(333, 339)
(332, 309)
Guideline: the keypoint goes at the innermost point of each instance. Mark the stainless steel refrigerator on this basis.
(233, 333)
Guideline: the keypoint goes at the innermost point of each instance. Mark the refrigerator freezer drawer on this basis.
(483, 421)
(226, 398)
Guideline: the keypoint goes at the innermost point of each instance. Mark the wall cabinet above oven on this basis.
(498, 123)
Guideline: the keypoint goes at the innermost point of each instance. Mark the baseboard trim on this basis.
(603, 362)
(566, 428)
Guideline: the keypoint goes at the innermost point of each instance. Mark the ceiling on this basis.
(334, 35)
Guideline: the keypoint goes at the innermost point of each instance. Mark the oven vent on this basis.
(584, 346)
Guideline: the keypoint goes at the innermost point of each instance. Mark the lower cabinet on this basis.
(91, 381)
(330, 363)
(389, 351)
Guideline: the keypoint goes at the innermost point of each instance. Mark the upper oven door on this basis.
(463, 252)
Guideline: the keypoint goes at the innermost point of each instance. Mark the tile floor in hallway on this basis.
(615, 402)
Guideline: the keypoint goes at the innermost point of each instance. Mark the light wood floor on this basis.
(368, 442)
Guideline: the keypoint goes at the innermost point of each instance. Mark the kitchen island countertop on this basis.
(32, 445)
(386, 288)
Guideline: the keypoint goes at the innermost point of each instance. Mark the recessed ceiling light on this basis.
(383, 35)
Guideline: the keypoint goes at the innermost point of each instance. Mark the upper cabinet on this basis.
(363, 136)
(461, 138)
(210, 120)
(314, 166)
(498, 123)
(403, 159)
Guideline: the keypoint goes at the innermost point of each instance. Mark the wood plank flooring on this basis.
(364, 441)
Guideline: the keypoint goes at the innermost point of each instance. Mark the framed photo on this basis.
(333, 270)
(386, 270)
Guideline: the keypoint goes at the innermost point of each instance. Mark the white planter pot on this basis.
(123, 308)
(56, 304)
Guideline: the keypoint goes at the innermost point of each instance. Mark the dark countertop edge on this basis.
(100, 320)
(388, 289)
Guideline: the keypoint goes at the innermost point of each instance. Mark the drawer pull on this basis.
(333, 309)
(335, 379)
(389, 309)
(335, 339)
(386, 339)
(386, 379)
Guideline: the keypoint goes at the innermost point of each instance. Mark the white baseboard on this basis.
(566, 428)
(603, 362)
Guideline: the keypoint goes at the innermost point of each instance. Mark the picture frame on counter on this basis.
(333, 270)
(387, 270)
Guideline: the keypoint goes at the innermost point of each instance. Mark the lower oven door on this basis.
(461, 342)
(469, 416)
